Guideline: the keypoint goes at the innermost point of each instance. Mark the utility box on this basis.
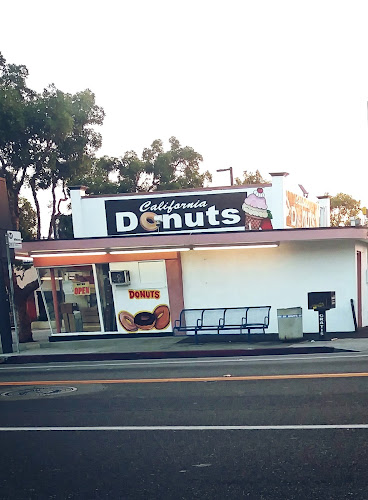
(321, 301)
(290, 323)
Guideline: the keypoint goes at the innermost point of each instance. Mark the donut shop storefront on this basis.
(137, 260)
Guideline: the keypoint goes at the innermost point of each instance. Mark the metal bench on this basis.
(223, 319)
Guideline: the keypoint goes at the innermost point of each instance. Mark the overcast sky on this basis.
(274, 85)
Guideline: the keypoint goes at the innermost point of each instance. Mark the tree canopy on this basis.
(46, 138)
(343, 207)
(157, 169)
(250, 178)
(27, 220)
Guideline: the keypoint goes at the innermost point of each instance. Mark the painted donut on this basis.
(145, 320)
(147, 221)
(127, 321)
(162, 315)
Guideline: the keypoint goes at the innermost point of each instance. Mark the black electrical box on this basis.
(321, 301)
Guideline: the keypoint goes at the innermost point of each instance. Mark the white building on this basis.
(267, 244)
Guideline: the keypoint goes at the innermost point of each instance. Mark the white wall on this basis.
(147, 275)
(280, 277)
(93, 220)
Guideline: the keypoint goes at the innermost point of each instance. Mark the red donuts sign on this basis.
(144, 294)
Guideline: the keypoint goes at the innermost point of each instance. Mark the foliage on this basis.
(64, 227)
(343, 207)
(250, 178)
(27, 220)
(177, 168)
(45, 139)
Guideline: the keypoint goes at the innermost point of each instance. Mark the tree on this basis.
(27, 219)
(177, 168)
(64, 227)
(250, 178)
(343, 207)
(45, 140)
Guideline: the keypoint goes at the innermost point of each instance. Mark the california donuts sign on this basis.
(189, 213)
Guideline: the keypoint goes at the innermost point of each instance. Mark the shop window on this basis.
(76, 298)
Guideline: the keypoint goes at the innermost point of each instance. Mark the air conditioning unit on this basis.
(120, 278)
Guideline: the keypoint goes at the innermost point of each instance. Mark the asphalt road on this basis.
(131, 430)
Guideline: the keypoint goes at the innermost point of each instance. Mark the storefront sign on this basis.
(144, 294)
(82, 288)
(190, 213)
(14, 239)
(301, 211)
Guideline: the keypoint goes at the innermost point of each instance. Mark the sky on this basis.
(273, 85)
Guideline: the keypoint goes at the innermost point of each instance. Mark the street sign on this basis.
(14, 239)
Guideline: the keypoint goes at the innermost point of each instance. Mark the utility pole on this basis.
(5, 225)
(230, 169)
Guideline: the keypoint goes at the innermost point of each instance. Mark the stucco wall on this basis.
(280, 277)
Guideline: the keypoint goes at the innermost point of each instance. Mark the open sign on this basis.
(82, 288)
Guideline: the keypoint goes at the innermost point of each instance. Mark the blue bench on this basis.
(223, 319)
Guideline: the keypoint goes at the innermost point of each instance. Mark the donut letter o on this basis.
(147, 221)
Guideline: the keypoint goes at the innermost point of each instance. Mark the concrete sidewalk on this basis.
(43, 351)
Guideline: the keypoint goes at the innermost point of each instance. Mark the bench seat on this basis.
(223, 319)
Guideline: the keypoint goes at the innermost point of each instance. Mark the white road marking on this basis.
(189, 428)
(253, 359)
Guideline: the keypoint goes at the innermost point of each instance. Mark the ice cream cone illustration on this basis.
(256, 212)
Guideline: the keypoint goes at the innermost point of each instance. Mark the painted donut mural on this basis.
(158, 319)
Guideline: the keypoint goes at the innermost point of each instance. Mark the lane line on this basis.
(224, 378)
(189, 428)
(251, 359)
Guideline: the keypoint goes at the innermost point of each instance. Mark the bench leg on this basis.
(196, 337)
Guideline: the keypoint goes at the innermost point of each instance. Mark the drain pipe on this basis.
(354, 315)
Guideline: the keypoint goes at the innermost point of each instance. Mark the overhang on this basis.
(117, 248)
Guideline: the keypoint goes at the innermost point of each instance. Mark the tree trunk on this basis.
(20, 298)
(53, 212)
(37, 205)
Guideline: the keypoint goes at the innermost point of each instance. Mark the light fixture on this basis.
(71, 254)
(24, 259)
(236, 247)
(158, 250)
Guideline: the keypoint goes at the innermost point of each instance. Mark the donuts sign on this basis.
(180, 213)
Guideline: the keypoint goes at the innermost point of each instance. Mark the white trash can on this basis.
(290, 323)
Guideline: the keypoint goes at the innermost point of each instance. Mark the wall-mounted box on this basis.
(319, 301)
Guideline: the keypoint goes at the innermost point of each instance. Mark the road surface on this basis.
(279, 427)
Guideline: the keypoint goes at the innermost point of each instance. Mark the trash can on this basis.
(290, 323)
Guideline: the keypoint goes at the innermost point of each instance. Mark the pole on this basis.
(44, 302)
(55, 301)
(11, 285)
(5, 326)
(322, 323)
(230, 169)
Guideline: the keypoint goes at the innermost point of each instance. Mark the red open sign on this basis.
(82, 289)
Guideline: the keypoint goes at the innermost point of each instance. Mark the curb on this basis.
(62, 358)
